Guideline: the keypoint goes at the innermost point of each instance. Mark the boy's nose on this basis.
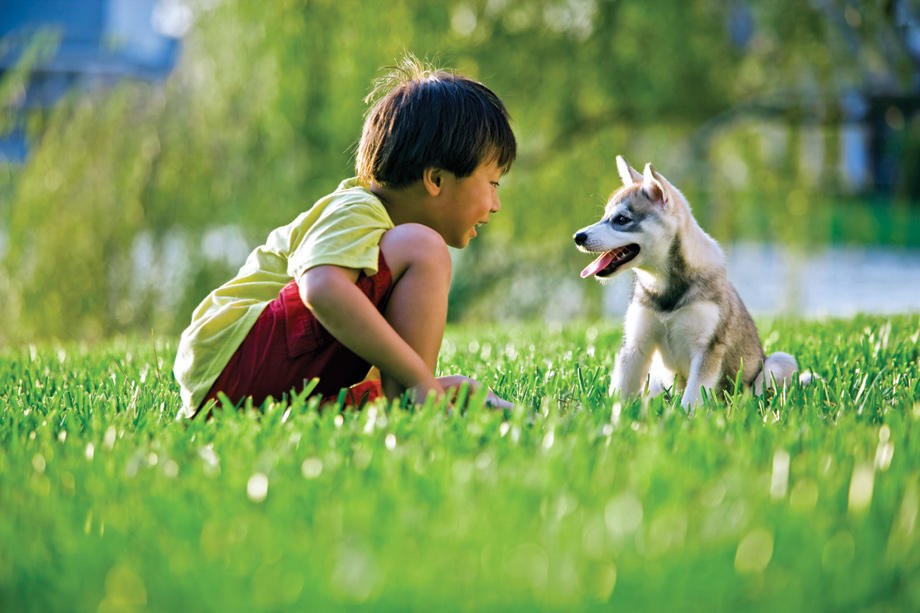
(580, 238)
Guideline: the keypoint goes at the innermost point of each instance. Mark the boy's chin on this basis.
(460, 242)
(470, 236)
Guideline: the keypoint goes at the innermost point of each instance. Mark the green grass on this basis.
(804, 501)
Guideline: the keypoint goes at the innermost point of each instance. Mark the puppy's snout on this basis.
(581, 238)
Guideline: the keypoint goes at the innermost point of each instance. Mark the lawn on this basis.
(807, 500)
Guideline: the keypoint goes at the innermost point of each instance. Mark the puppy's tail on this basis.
(779, 367)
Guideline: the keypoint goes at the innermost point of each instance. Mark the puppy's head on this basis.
(636, 228)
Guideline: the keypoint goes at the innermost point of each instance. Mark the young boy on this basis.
(362, 277)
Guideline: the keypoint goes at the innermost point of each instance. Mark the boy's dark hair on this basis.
(429, 117)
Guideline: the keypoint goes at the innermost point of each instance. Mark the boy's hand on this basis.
(418, 393)
(451, 383)
(495, 402)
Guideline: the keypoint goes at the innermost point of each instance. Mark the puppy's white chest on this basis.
(685, 333)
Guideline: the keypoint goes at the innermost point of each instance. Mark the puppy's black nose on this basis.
(580, 238)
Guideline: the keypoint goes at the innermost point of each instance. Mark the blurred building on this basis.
(876, 115)
(94, 43)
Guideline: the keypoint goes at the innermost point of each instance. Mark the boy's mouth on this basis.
(608, 262)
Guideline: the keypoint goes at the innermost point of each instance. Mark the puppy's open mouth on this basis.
(609, 261)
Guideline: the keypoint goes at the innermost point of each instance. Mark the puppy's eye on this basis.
(621, 220)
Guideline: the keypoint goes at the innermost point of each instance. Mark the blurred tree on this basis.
(136, 201)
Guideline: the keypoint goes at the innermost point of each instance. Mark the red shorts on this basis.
(287, 347)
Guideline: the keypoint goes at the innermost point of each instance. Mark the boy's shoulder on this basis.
(352, 203)
(350, 196)
(353, 186)
(351, 192)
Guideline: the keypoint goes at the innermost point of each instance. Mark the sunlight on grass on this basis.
(807, 499)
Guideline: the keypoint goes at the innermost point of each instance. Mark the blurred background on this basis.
(146, 146)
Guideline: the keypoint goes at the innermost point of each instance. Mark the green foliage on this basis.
(574, 501)
(138, 200)
(15, 80)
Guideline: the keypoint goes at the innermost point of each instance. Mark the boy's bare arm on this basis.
(330, 292)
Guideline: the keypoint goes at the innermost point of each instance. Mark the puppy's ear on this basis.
(628, 174)
(665, 184)
(652, 188)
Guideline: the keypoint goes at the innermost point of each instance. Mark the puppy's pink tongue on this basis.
(598, 265)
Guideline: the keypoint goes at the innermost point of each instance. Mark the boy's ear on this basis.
(432, 179)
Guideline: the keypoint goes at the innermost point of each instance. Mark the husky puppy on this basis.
(685, 317)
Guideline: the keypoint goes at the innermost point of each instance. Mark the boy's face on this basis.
(465, 203)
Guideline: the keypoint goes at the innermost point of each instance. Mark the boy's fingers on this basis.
(497, 403)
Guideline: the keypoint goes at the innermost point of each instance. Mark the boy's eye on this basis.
(495, 184)
(621, 220)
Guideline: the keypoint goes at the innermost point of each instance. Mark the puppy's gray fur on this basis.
(685, 317)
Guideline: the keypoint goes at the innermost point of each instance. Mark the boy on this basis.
(362, 277)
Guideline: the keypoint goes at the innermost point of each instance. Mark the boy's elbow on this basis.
(319, 287)
(313, 286)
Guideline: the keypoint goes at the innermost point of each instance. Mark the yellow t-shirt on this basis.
(343, 228)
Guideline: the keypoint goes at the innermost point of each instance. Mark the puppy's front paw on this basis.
(689, 402)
